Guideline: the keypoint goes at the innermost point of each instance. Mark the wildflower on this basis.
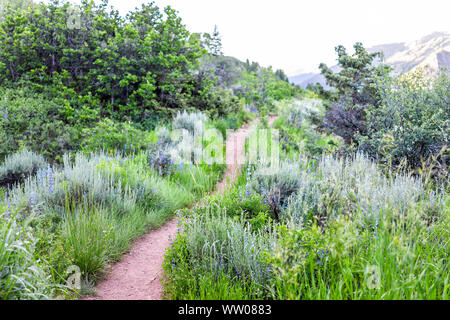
(50, 178)
(8, 210)
(181, 167)
(321, 257)
(32, 199)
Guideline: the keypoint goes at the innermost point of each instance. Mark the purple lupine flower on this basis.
(32, 199)
(50, 178)
(181, 166)
(8, 210)
(247, 189)
(40, 176)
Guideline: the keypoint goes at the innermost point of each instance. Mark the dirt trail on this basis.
(138, 275)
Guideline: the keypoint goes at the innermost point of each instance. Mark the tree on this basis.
(280, 74)
(356, 90)
(130, 67)
(357, 76)
(14, 5)
(216, 43)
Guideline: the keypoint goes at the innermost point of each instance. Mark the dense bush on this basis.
(276, 185)
(19, 166)
(109, 135)
(346, 120)
(32, 120)
(193, 122)
(297, 128)
(154, 50)
(412, 121)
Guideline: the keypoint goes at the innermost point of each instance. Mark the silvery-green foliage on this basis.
(193, 122)
(187, 137)
(160, 159)
(21, 275)
(158, 155)
(164, 138)
(182, 145)
(187, 150)
(96, 179)
(353, 186)
(276, 185)
(19, 166)
(217, 244)
(298, 112)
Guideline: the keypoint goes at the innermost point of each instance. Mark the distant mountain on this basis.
(431, 52)
(298, 79)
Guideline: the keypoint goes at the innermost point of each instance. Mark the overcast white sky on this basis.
(296, 35)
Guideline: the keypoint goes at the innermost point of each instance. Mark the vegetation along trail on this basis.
(138, 276)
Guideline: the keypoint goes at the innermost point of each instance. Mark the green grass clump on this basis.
(216, 257)
(22, 276)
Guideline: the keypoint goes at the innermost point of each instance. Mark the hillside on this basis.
(431, 52)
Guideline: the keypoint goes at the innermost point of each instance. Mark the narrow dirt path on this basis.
(138, 275)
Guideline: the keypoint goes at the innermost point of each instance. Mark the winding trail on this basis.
(138, 276)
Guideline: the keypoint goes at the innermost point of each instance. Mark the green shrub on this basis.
(412, 121)
(297, 127)
(19, 166)
(233, 121)
(112, 136)
(137, 86)
(31, 120)
(276, 185)
(297, 112)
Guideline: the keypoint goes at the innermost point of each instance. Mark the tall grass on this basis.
(215, 256)
(22, 276)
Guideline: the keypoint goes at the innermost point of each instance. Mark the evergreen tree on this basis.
(356, 90)
(357, 76)
(216, 43)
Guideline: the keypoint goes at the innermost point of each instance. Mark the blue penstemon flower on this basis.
(321, 257)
